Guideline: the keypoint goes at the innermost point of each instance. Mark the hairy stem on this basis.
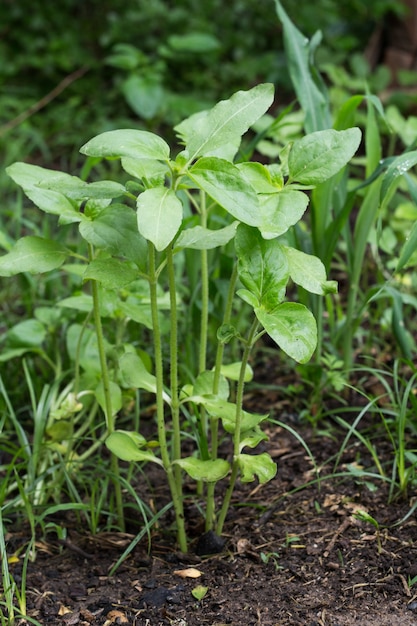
(175, 489)
(214, 422)
(107, 395)
(236, 435)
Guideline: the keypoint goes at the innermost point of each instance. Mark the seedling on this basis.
(272, 557)
(178, 216)
(199, 592)
(364, 516)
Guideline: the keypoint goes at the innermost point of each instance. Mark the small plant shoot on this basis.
(164, 230)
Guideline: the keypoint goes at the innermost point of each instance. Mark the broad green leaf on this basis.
(29, 333)
(308, 271)
(55, 203)
(77, 189)
(140, 313)
(159, 214)
(146, 169)
(29, 176)
(310, 89)
(252, 438)
(203, 385)
(223, 182)
(218, 132)
(144, 94)
(207, 471)
(109, 303)
(115, 395)
(320, 155)
(83, 349)
(280, 211)
(262, 267)
(134, 374)
(397, 168)
(33, 178)
(199, 238)
(226, 411)
(33, 254)
(13, 353)
(125, 446)
(232, 371)
(259, 177)
(115, 229)
(256, 465)
(137, 144)
(111, 273)
(293, 327)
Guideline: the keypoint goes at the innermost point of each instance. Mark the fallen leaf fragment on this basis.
(188, 572)
(63, 610)
(115, 617)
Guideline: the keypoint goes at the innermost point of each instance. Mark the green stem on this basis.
(110, 421)
(236, 435)
(214, 422)
(175, 404)
(204, 292)
(176, 491)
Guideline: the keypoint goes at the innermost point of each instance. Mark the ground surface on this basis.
(291, 558)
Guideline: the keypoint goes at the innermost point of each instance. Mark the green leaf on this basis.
(144, 94)
(29, 333)
(55, 203)
(293, 327)
(137, 144)
(232, 371)
(33, 254)
(262, 267)
(199, 238)
(409, 247)
(256, 465)
(152, 171)
(199, 592)
(308, 271)
(223, 182)
(159, 214)
(259, 177)
(125, 446)
(310, 89)
(134, 374)
(397, 168)
(194, 42)
(115, 394)
(320, 155)
(115, 229)
(111, 273)
(77, 189)
(252, 438)
(203, 385)
(33, 179)
(280, 211)
(226, 411)
(207, 471)
(30, 176)
(218, 132)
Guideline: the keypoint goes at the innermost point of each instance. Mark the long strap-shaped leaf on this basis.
(309, 89)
